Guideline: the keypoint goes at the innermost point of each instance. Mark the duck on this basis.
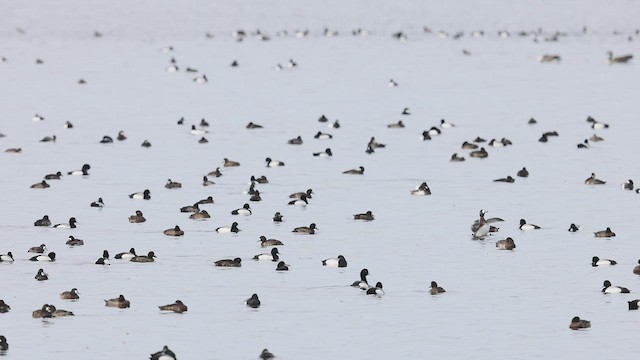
(604, 233)
(201, 215)
(264, 242)
(82, 172)
(322, 136)
(374, 144)
(4, 308)
(228, 229)
(423, 189)
(301, 201)
(106, 140)
(201, 79)
(38, 249)
(144, 258)
(406, 111)
(230, 163)
(482, 228)
(273, 163)
(526, 227)
(376, 290)
(359, 171)
(506, 244)
(49, 139)
(126, 255)
(4, 345)
(190, 208)
(282, 266)
(311, 229)
(636, 269)
(434, 131)
(435, 289)
(456, 158)
(623, 59)
(207, 182)
(203, 140)
(68, 125)
(121, 136)
(469, 146)
(482, 153)
(393, 83)
(335, 124)
(363, 284)
(628, 185)
(72, 294)
(237, 262)
(508, 179)
(260, 180)
(13, 150)
(573, 227)
(8, 257)
(119, 302)
(295, 141)
(70, 225)
(216, 173)
(256, 196)
(45, 312)
(177, 307)
(253, 301)
(175, 231)
(523, 172)
(164, 354)
(273, 256)
(55, 176)
(99, 203)
(308, 194)
(104, 260)
(610, 289)
(137, 218)
(323, 119)
(549, 58)
(577, 324)
(172, 184)
(49, 257)
(368, 216)
(445, 124)
(596, 261)
(595, 138)
(340, 261)
(633, 304)
(41, 185)
(251, 125)
(532, 121)
(207, 200)
(144, 195)
(398, 125)
(277, 217)
(592, 180)
(204, 123)
(43, 222)
(596, 125)
(41, 275)
(244, 210)
(326, 153)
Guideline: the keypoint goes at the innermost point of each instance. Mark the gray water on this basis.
(515, 304)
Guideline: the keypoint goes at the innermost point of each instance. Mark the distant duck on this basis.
(434, 131)
(195, 131)
(72, 294)
(204, 123)
(14, 150)
(506, 244)
(172, 184)
(482, 153)
(323, 119)
(264, 242)
(84, 171)
(326, 153)
(526, 227)
(126, 255)
(422, 190)
(38, 249)
(595, 138)
(8, 257)
(253, 301)
(273, 256)
(301, 201)
(596, 124)
(406, 111)
(4, 308)
(398, 125)
(435, 289)
(190, 208)
(68, 125)
(137, 218)
(523, 172)
(201, 79)
(362, 283)
(393, 83)
(623, 59)
(70, 225)
(203, 140)
(340, 261)
(45, 312)
(532, 121)
(445, 124)
(121, 136)
(610, 289)
(176, 307)
(322, 136)
(216, 173)
(150, 257)
(244, 210)
(191, 70)
(592, 180)
(74, 242)
(584, 144)
(282, 266)
(172, 68)
(508, 179)
(633, 304)
(311, 229)
(368, 216)
(37, 118)
(469, 146)
(48, 139)
(478, 139)
(207, 182)
(106, 140)
(308, 194)
(376, 290)
(628, 185)
(335, 124)
(605, 233)
(573, 227)
(230, 163)
(181, 121)
(237, 262)
(41, 185)
(234, 63)
(55, 176)
(228, 229)
(207, 200)
(596, 261)
(104, 260)
(359, 171)
(295, 141)
(144, 195)
(49, 257)
(577, 324)
(273, 163)
(175, 231)
(119, 302)
(256, 196)
(277, 217)
(374, 144)
(456, 158)
(251, 125)
(549, 58)
(41, 275)
(201, 215)
(636, 269)
(98, 203)
(164, 354)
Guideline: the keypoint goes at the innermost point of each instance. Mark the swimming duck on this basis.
(445, 124)
(368, 216)
(253, 301)
(208, 200)
(72, 294)
(41, 185)
(145, 195)
(230, 163)
(508, 179)
(68, 125)
(434, 131)
(49, 257)
(596, 261)
(633, 304)
(398, 125)
(164, 354)
(106, 140)
(98, 203)
(201, 79)
(322, 136)
(121, 136)
(636, 269)
(38, 249)
(273, 256)
(244, 210)
(277, 217)
(482, 228)
(119, 302)
(340, 261)
(203, 140)
(70, 225)
(584, 144)
(190, 208)
(126, 255)
(482, 153)
(43, 222)
(273, 163)
(393, 83)
(605, 233)
(146, 144)
(14, 150)
(207, 182)
(375, 145)
(359, 171)
(596, 124)
(610, 289)
(4, 308)
(8, 257)
(301, 201)
(506, 244)
(595, 138)
(172, 184)
(623, 59)
(435, 289)
(295, 141)
(45, 312)
(523, 172)
(591, 180)
(311, 229)
(104, 260)
(251, 125)
(377, 290)
(256, 196)
(137, 218)
(573, 227)
(4, 345)
(326, 153)
(228, 229)
(423, 189)
(298, 195)
(144, 258)
(260, 180)
(264, 242)
(55, 176)
(335, 124)
(48, 139)
(323, 119)
(203, 214)
(628, 185)
(469, 146)
(549, 58)
(577, 323)
(406, 111)
(176, 231)
(204, 123)
(41, 275)
(362, 283)
(216, 172)
(456, 158)
(526, 227)
(177, 307)
(237, 262)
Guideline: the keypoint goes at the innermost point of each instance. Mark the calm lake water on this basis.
(516, 304)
